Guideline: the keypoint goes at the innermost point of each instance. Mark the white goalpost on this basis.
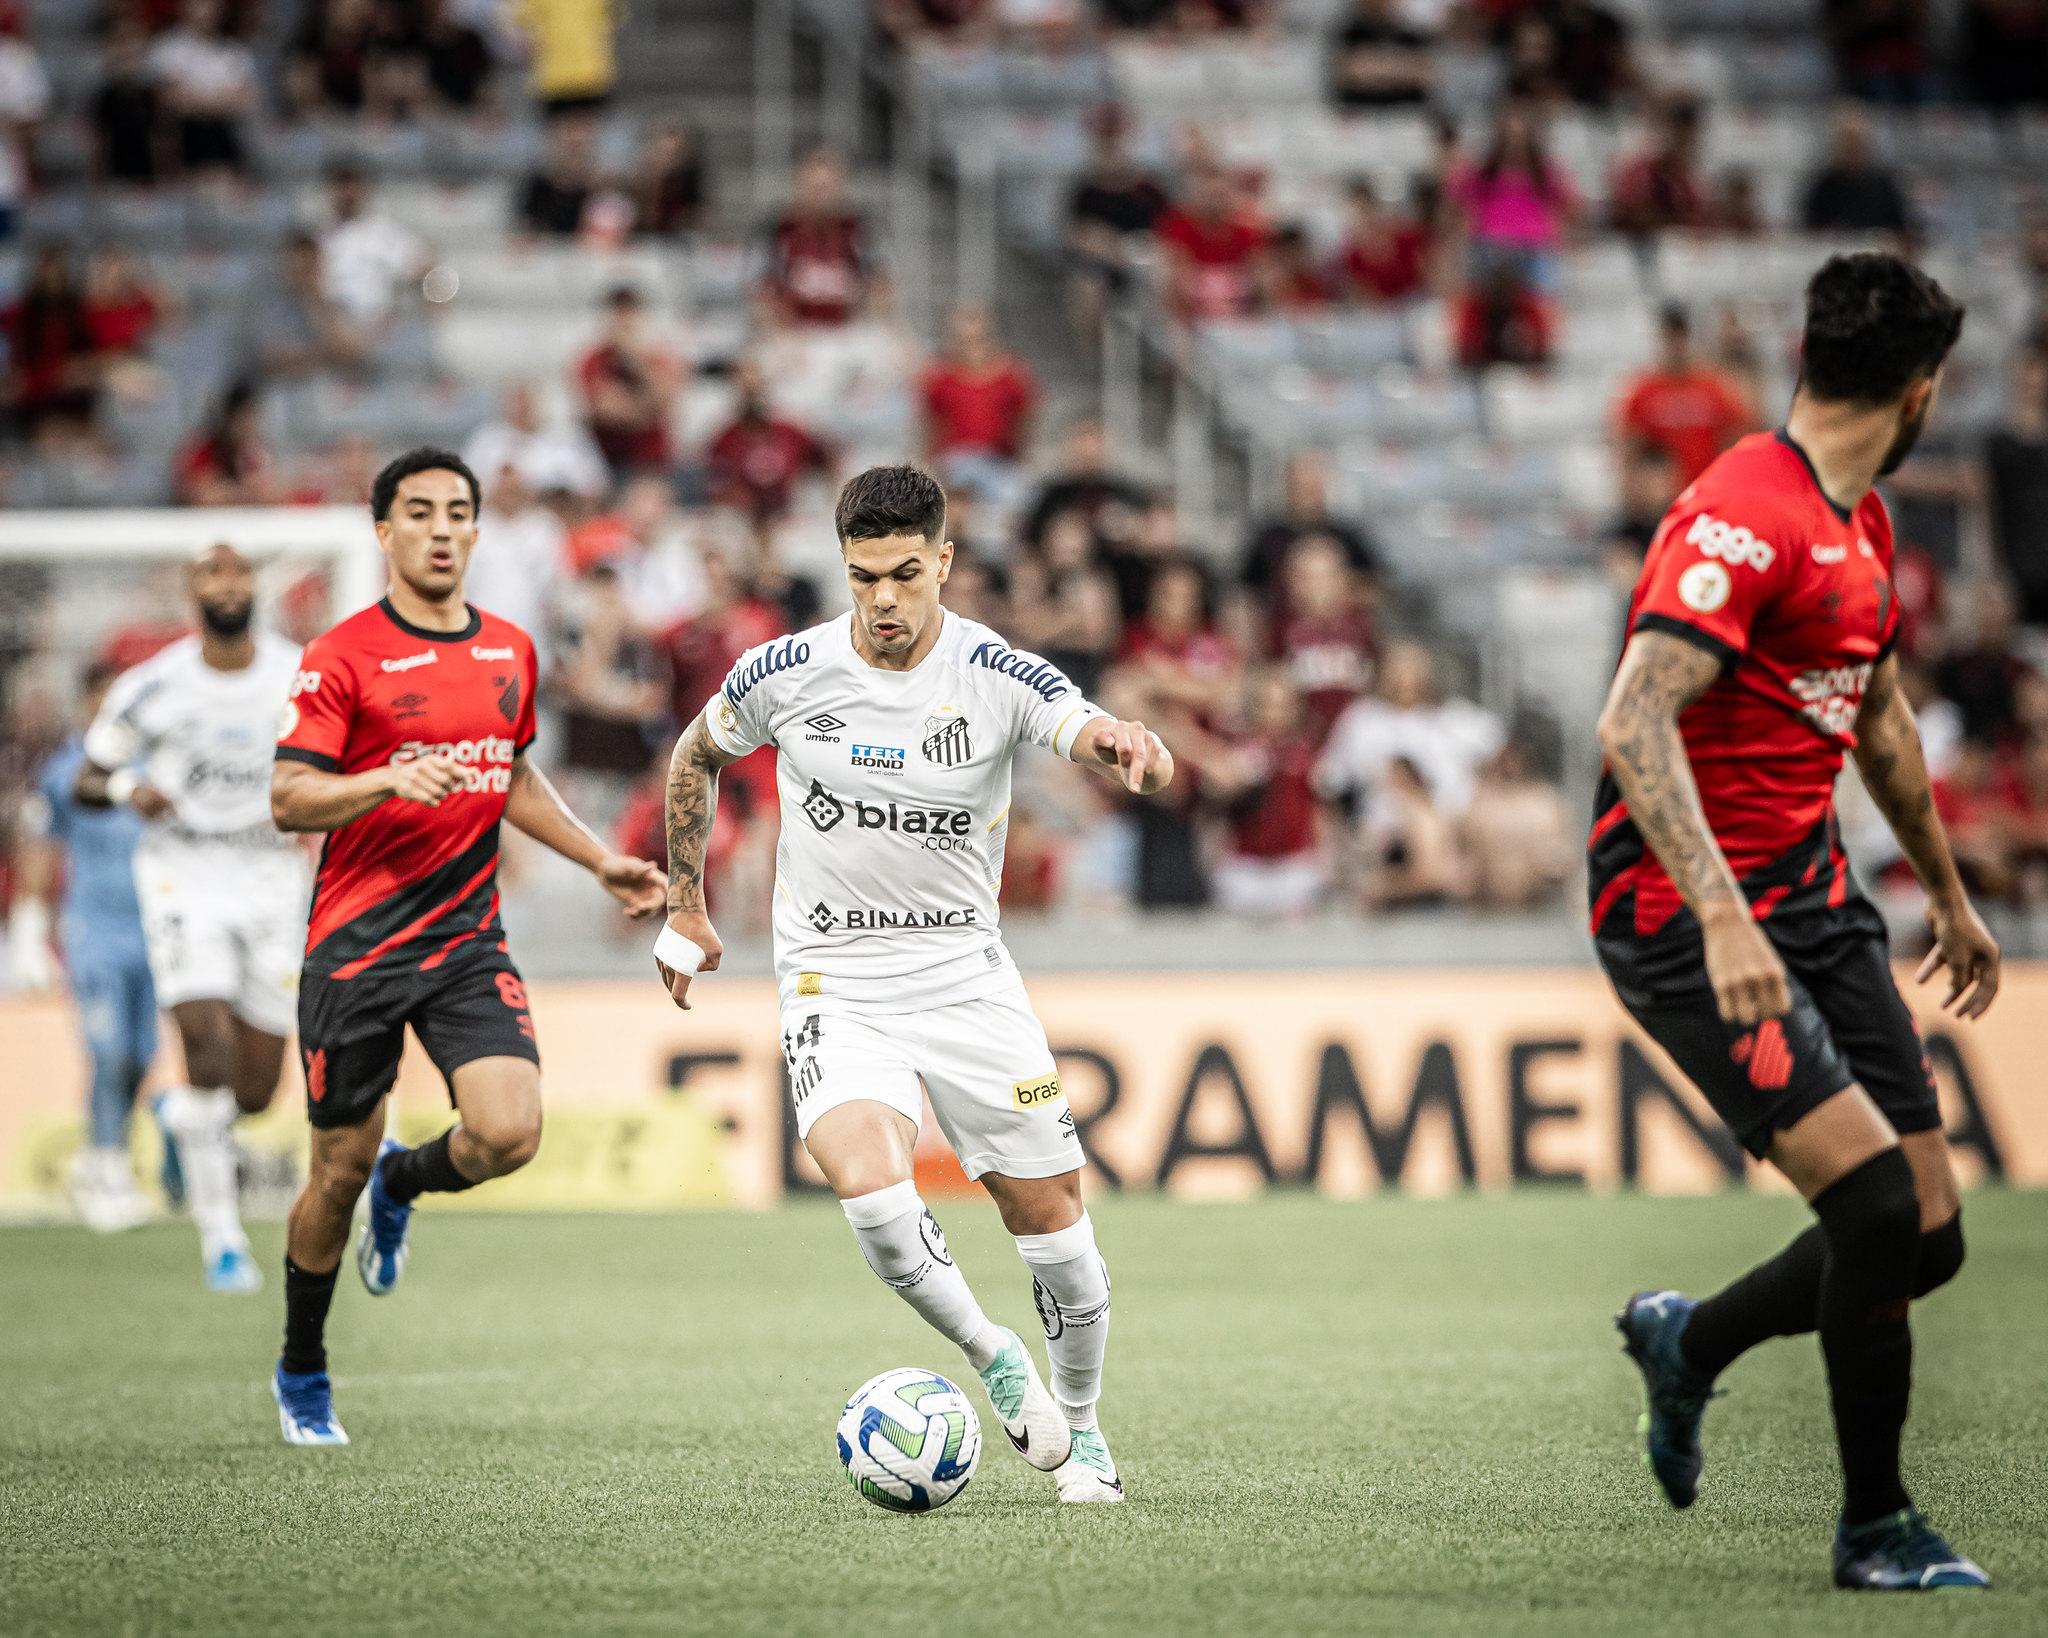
(70, 578)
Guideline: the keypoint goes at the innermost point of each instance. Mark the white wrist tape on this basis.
(676, 953)
(121, 785)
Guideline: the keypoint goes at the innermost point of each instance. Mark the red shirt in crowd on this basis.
(701, 650)
(1218, 255)
(817, 267)
(1653, 190)
(1754, 564)
(756, 462)
(1282, 821)
(981, 410)
(1390, 268)
(639, 448)
(1692, 415)
(1489, 331)
(120, 326)
(1329, 657)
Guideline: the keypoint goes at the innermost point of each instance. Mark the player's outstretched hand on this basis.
(639, 884)
(1964, 945)
(1748, 978)
(1142, 761)
(425, 779)
(694, 926)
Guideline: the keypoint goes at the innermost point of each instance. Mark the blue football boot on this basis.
(305, 1408)
(380, 1251)
(1675, 1395)
(1900, 1552)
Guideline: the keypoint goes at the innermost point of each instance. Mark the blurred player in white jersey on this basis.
(895, 728)
(185, 739)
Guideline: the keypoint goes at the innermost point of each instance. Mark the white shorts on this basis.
(985, 1064)
(226, 925)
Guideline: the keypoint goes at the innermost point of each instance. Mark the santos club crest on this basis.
(945, 738)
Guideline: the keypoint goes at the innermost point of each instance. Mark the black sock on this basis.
(1872, 1221)
(429, 1169)
(306, 1297)
(1781, 1298)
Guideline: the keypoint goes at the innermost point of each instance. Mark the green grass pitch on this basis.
(1392, 1417)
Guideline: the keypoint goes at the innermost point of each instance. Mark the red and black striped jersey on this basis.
(407, 885)
(1794, 597)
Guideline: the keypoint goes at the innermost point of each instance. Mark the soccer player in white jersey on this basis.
(895, 727)
(186, 740)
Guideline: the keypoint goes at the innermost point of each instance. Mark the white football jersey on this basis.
(205, 738)
(895, 793)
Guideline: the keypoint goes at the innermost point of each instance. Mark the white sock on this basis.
(901, 1241)
(199, 1119)
(1070, 1287)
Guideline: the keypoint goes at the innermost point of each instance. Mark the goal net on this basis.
(107, 586)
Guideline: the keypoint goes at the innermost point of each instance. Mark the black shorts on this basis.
(352, 1030)
(1848, 1024)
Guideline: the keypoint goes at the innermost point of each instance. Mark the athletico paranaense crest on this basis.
(508, 697)
(946, 741)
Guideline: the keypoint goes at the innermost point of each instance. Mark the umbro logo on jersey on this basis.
(822, 808)
(825, 722)
(408, 706)
(946, 741)
(426, 657)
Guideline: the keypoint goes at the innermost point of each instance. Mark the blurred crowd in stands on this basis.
(653, 507)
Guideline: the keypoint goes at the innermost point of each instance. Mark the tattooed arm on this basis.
(1660, 676)
(1894, 770)
(687, 814)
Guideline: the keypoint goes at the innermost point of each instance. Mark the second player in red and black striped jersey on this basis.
(408, 886)
(1794, 596)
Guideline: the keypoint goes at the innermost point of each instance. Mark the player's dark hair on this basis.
(424, 459)
(1875, 324)
(891, 500)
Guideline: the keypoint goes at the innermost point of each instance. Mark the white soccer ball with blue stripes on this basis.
(909, 1440)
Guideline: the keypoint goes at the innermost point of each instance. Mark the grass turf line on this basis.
(1386, 1417)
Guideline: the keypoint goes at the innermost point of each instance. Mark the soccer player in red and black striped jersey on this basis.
(1760, 653)
(406, 741)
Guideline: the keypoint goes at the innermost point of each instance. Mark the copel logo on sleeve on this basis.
(1729, 542)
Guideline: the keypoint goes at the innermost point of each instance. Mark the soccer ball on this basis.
(909, 1440)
